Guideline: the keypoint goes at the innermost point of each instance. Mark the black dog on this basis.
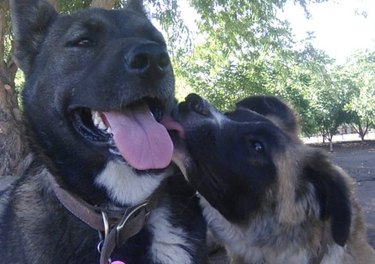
(97, 83)
(265, 195)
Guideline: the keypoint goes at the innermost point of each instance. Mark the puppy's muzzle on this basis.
(194, 102)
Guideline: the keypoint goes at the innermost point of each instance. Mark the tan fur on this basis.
(292, 233)
(289, 213)
(292, 212)
(295, 238)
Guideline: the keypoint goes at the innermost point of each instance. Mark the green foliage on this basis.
(244, 49)
(359, 73)
(68, 6)
(7, 29)
(168, 14)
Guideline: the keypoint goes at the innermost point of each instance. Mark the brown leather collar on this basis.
(118, 225)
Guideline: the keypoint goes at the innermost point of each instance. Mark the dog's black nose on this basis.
(148, 60)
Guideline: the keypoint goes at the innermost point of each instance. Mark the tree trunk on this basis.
(362, 136)
(330, 139)
(13, 147)
(330, 146)
(106, 4)
(360, 131)
(13, 150)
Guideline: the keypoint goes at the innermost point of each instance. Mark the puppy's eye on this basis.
(256, 146)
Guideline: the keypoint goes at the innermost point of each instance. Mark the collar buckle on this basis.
(132, 221)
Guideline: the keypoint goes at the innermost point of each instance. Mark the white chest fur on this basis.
(125, 186)
(169, 242)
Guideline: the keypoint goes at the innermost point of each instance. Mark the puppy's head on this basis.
(249, 163)
(229, 158)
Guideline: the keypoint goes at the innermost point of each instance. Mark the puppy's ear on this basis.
(136, 5)
(273, 108)
(332, 188)
(30, 20)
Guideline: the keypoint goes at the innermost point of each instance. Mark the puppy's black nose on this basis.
(148, 60)
(197, 104)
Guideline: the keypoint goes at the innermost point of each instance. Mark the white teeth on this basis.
(114, 151)
(98, 121)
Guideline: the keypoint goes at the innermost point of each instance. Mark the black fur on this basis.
(270, 106)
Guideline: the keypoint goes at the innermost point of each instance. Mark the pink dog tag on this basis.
(118, 262)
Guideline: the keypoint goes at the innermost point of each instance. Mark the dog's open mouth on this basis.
(134, 133)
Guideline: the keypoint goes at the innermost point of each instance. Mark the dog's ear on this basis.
(30, 20)
(136, 5)
(273, 108)
(332, 189)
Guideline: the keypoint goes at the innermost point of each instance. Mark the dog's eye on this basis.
(82, 43)
(256, 146)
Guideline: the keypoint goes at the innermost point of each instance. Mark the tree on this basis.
(12, 147)
(328, 96)
(238, 40)
(321, 91)
(227, 61)
(360, 73)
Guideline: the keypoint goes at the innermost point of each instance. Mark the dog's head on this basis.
(248, 163)
(97, 84)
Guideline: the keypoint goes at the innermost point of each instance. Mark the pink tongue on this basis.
(143, 142)
(173, 125)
